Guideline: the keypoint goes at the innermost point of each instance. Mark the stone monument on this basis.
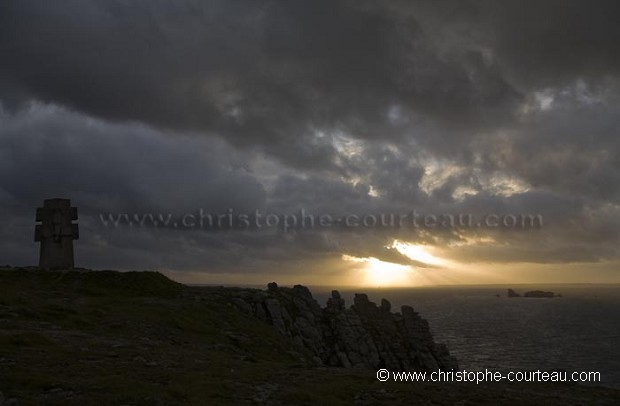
(56, 233)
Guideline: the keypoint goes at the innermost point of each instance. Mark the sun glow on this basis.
(422, 270)
(417, 253)
(380, 273)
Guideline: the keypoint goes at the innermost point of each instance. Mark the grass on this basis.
(138, 338)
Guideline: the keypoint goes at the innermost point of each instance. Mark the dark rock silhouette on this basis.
(512, 293)
(533, 293)
(56, 233)
(538, 293)
(363, 336)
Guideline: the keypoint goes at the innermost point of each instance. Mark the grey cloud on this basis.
(107, 168)
(173, 106)
(255, 72)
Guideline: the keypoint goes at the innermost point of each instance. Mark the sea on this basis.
(485, 329)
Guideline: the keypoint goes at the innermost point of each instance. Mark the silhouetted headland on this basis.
(79, 337)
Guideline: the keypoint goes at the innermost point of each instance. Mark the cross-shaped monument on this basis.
(56, 233)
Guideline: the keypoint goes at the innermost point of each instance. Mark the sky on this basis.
(347, 109)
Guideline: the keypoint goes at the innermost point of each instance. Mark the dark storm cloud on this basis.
(570, 148)
(254, 71)
(556, 40)
(333, 106)
(113, 167)
(108, 168)
(537, 43)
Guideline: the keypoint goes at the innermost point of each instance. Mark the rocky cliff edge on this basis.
(362, 336)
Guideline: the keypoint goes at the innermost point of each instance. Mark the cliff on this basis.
(137, 338)
(362, 336)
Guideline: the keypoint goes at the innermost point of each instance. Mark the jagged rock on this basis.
(335, 304)
(361, 302)
(363, 336)
(276, 314)
(238, 339)
(342, 357)
(302, 292)
(242, 305)
(512, 293)
(259, 311)
(386, 306)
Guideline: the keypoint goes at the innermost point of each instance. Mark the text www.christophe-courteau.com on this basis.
(231, 220)
(478, 377)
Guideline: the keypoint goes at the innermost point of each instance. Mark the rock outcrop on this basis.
(533, 293)
(512, 293)
(362, 336)
(539, 293)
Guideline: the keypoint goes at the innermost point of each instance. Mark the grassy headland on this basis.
(138, 338)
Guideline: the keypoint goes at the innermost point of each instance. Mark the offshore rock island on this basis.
(533, 293)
